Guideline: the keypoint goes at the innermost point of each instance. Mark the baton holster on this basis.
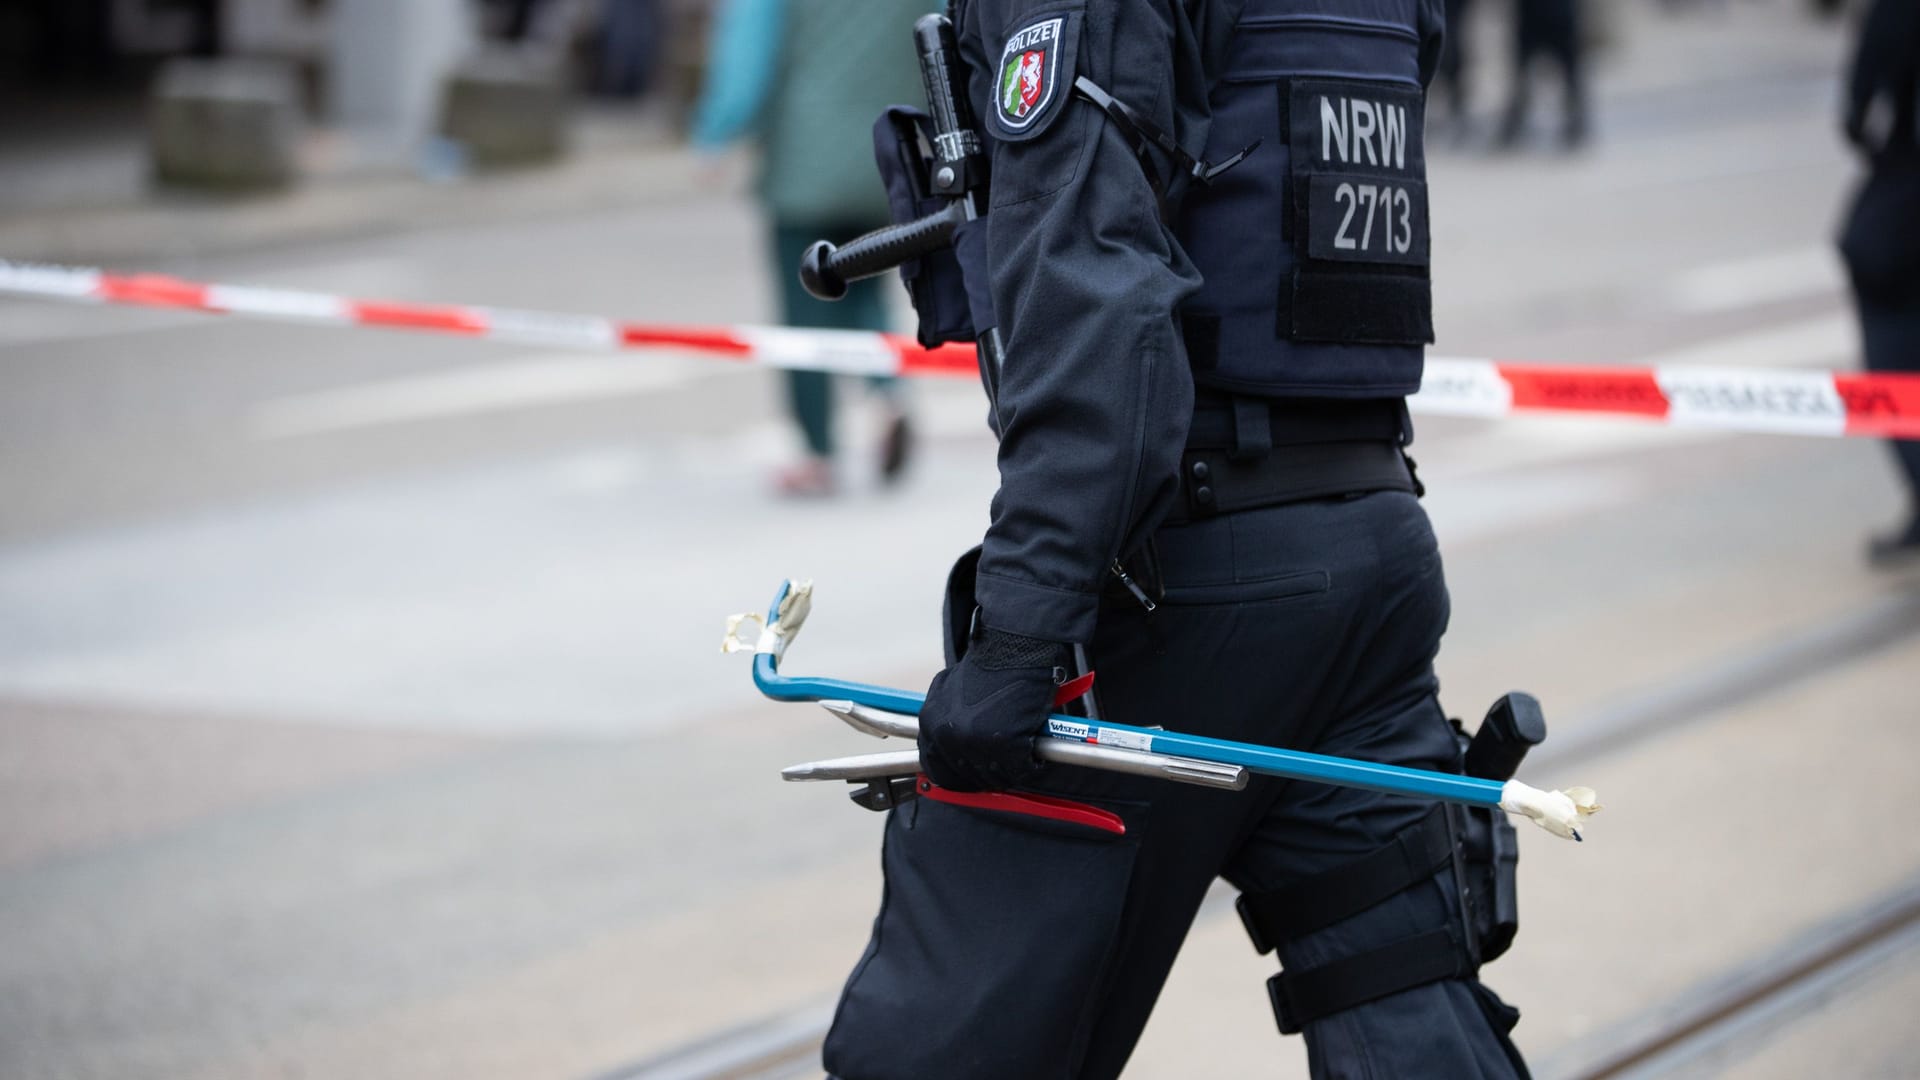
(937, 282)
(958, 608)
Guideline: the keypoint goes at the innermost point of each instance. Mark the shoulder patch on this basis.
(1035, 61)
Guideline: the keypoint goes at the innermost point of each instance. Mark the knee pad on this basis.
(1443, 951)
(1475, 847)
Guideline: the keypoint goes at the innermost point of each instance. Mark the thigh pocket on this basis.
(1276, 587)
(993, 939)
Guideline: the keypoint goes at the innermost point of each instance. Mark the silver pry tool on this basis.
(882, 724)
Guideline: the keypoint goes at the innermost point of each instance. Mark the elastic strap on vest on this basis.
(1142, 133)
(1201, 334)
(1252, 429)
(1415, 856)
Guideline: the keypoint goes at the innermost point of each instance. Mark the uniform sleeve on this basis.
(1094, 398)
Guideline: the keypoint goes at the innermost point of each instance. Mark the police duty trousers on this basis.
(1009, 946)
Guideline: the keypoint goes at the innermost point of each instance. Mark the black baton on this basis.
(958, 169)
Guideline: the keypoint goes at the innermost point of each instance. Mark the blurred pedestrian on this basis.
(207, 38)
(805, 79)
(1881, 238)
(519, 19)
(1551, 28)
(67, 42)
(1453, 80)
(630, 32)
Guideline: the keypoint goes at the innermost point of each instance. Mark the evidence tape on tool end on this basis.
(771, 639)
(1561, 813)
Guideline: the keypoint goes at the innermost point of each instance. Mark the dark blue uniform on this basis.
(1202, 383)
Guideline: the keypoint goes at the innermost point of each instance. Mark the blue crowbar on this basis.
(1559, 812)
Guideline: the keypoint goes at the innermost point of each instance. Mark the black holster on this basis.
(949, 303)
(957, 611)
(1488, 863)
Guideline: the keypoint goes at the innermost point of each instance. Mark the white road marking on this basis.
(1824, 341)
(1530, 441)
(1760, 279)
(614, 471)
(25, 324)
(1730, 151)
(543, 380)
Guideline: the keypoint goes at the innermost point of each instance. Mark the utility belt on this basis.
(1245, 453)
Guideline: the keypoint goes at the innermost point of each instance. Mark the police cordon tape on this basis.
(1781, 401)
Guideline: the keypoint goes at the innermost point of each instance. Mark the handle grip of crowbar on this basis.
(1559, 812)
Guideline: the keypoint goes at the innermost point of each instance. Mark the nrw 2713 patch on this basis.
(1029, 74)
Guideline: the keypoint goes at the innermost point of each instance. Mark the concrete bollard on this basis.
(506, 108)
(228, 124)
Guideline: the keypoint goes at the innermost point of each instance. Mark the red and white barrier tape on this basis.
(1734, 399)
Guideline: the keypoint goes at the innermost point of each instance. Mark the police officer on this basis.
(1455, 74)
(1553, 29)
(1203, 489)
(1878, 241)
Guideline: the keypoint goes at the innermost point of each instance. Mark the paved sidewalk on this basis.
(73, 185)
(75, 191)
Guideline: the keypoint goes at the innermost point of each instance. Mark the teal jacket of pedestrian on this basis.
(806, 79)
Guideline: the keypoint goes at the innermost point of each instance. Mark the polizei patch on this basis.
(1029, 74)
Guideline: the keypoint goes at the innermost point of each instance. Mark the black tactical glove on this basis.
(983, 713)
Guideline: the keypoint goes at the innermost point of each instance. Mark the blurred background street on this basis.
(360, 706)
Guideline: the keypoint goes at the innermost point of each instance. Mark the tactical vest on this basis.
(1315, 248)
